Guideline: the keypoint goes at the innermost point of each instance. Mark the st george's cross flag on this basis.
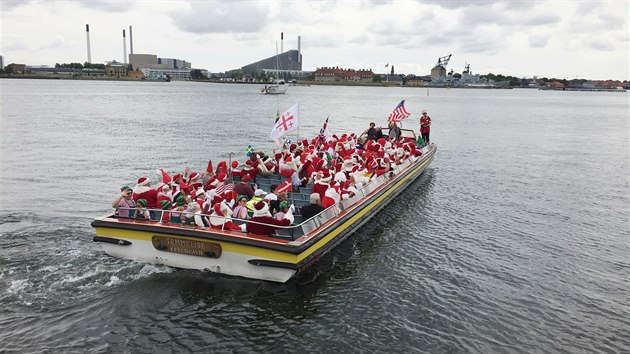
(399, 113)
(288, 122)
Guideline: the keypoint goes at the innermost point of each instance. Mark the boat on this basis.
(276, 258)
(277, 87)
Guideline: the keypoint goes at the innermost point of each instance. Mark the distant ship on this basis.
(465, 80)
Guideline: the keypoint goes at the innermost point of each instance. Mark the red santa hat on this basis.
(222, 167)
(165, 177)
(143, 181)
(209, 168)
(193, 176)
(177, 176)
(326, 177)
(261, 209)
(164, 187)
(234, 164)
(221, 177)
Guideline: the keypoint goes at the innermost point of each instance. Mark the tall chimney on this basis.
(281, 42)
(130, 41)
(299, 46)
(124, 48)
(87, 34)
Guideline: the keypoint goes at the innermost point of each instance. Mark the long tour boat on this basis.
(277, 257)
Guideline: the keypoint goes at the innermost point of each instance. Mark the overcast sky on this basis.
(563, 39)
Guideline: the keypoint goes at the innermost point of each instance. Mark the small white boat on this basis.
(276, 88)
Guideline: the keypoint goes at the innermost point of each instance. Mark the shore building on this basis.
(336, 74)
(116, 69)
(287, 62)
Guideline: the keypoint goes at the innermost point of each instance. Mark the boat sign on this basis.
(189, 247)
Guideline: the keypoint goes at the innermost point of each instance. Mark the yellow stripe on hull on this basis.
(225, 246)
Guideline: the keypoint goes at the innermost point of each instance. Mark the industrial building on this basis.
(152, 61)
(289, 61)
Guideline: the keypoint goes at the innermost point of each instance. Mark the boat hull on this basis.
(241, 254)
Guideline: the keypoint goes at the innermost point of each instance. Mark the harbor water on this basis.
(516, 238)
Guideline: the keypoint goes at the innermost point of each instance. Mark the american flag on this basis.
(224, 187)
(399, 113)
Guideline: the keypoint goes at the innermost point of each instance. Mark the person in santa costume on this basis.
(193, 215)
(262, 215)
(194, 181)
(164, 193)
(220, 218)
(235, 170)
(143, 190)
(322, 182)
(179, 184)
(331, 197)
(291, 169)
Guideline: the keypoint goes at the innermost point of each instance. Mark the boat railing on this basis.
(294, 231)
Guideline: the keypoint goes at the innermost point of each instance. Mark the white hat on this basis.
(259, 192)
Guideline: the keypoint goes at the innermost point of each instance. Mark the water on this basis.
(514, 240)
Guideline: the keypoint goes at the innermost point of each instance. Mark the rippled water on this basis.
(516, 239)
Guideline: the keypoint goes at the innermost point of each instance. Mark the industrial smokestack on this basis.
(124, 48)
(130, 41)
(299, 46)
(281, 42)
(87, 34)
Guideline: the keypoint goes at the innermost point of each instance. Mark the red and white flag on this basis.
(288, 122)
(285, 187)
(399, 113)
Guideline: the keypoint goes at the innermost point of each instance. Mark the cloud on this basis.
(538, 41)
(587, 8)
(59, 42)
(8, 5)
(538, 19)
(221, 17)
(600, 44)
(454, 4)
(106, 5)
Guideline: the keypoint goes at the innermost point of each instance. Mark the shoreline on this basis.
(304, 83)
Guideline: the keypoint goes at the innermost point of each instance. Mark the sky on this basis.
(524, 38)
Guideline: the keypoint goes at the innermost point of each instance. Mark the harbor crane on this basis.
(443, 61)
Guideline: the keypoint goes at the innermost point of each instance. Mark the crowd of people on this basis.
(335, 167)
